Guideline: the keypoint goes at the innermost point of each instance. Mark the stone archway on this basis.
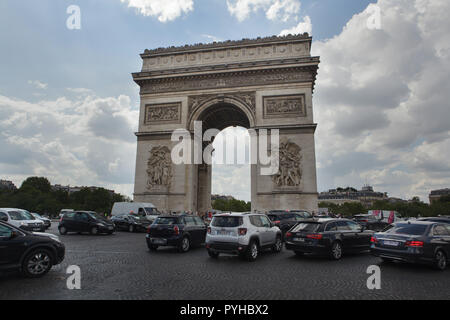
(265, 83)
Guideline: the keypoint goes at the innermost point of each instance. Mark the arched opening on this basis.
(230, 173)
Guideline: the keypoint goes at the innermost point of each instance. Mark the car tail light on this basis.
(414, 244)
(288, 234)
(374, 240)
(176, 230)
(277, 222)
(314, 236)
(209, 230)
(242, 231)
(364, 220)
(148, 229)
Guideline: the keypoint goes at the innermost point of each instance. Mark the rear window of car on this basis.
(405, 228)
(166, 220)
(227, 222)
(307, 227)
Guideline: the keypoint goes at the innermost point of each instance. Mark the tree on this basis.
(38, 183)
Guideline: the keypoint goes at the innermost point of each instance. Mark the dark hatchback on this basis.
(131, 223)
(285, 220)
(331, 237)
(415, 242)
(33, 254)
(370, 222)
(182, 231)
(85, 221)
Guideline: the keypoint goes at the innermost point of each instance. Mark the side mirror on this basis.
(14, 234)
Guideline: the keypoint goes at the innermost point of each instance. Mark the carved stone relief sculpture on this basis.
(169, 112)
(290, 172)
(159, 167)
(284, 106)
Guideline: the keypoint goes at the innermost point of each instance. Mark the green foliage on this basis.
(231, 205)
(345, 209)
(36, 195)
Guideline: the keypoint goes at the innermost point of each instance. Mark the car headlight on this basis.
(101, 224)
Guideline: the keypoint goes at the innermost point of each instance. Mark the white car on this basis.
(21, 219)
(47, 222)
(245, 234)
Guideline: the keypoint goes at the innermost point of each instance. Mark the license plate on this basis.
(391, 243)
(223, 233)
(159, 241)
(110, 228)
(36, 229)
(299, 239)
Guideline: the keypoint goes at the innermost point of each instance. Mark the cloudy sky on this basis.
(68, 105)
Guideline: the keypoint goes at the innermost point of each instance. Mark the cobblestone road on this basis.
(121, 267)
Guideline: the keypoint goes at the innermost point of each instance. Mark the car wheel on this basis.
(62, 230)
(213, 254)
(94, 230)
(299, 253)
(185, 245)
(278, 246)
(131, 228)
(440, 260)
(153, 247)
(37, 263)
(252, 251)
(336, 250)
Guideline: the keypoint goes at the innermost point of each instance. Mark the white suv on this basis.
(244, 234)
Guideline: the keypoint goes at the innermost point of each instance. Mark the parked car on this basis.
(370, 222)
(183, 232)
(244, 234)
(331, 237)
(47, 221)
(285, 220)
(442, 219)
(85, 221)
(34, 254)
(21, 219)
(131, 223)
(414, 242)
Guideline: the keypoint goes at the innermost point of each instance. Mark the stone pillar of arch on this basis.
(265, 83)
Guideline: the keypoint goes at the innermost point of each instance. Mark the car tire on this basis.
(252, 251)
(153, 247)
(37, 263)
(131, 228)
(278, 246)
(336, 250)
(299, 253)
(185, 245)
(213, 254)
(440, 260)
(62, 231)
(94, 231)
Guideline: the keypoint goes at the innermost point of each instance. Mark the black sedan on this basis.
(415, 242)
(285, 220)
(182, 231)
(131, 223)
(331, 237)
(370, 222)
(33, 254)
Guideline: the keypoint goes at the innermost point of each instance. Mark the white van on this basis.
(139, 208)
(21, 219)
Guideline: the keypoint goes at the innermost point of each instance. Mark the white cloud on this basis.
(38, 84)
(85, 141)
(164, 10)
(381, 100)
(300, 28)
(275, 9)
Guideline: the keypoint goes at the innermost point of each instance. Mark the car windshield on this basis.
(406, 228)
(18, 215)
(303, 214)
(166, 220)
(96, 215)
(36, 215)
(137, 218)
(306, 227)
(226, 222)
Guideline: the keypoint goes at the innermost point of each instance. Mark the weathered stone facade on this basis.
(264, 83)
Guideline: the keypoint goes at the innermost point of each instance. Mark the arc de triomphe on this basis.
(264, 83)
